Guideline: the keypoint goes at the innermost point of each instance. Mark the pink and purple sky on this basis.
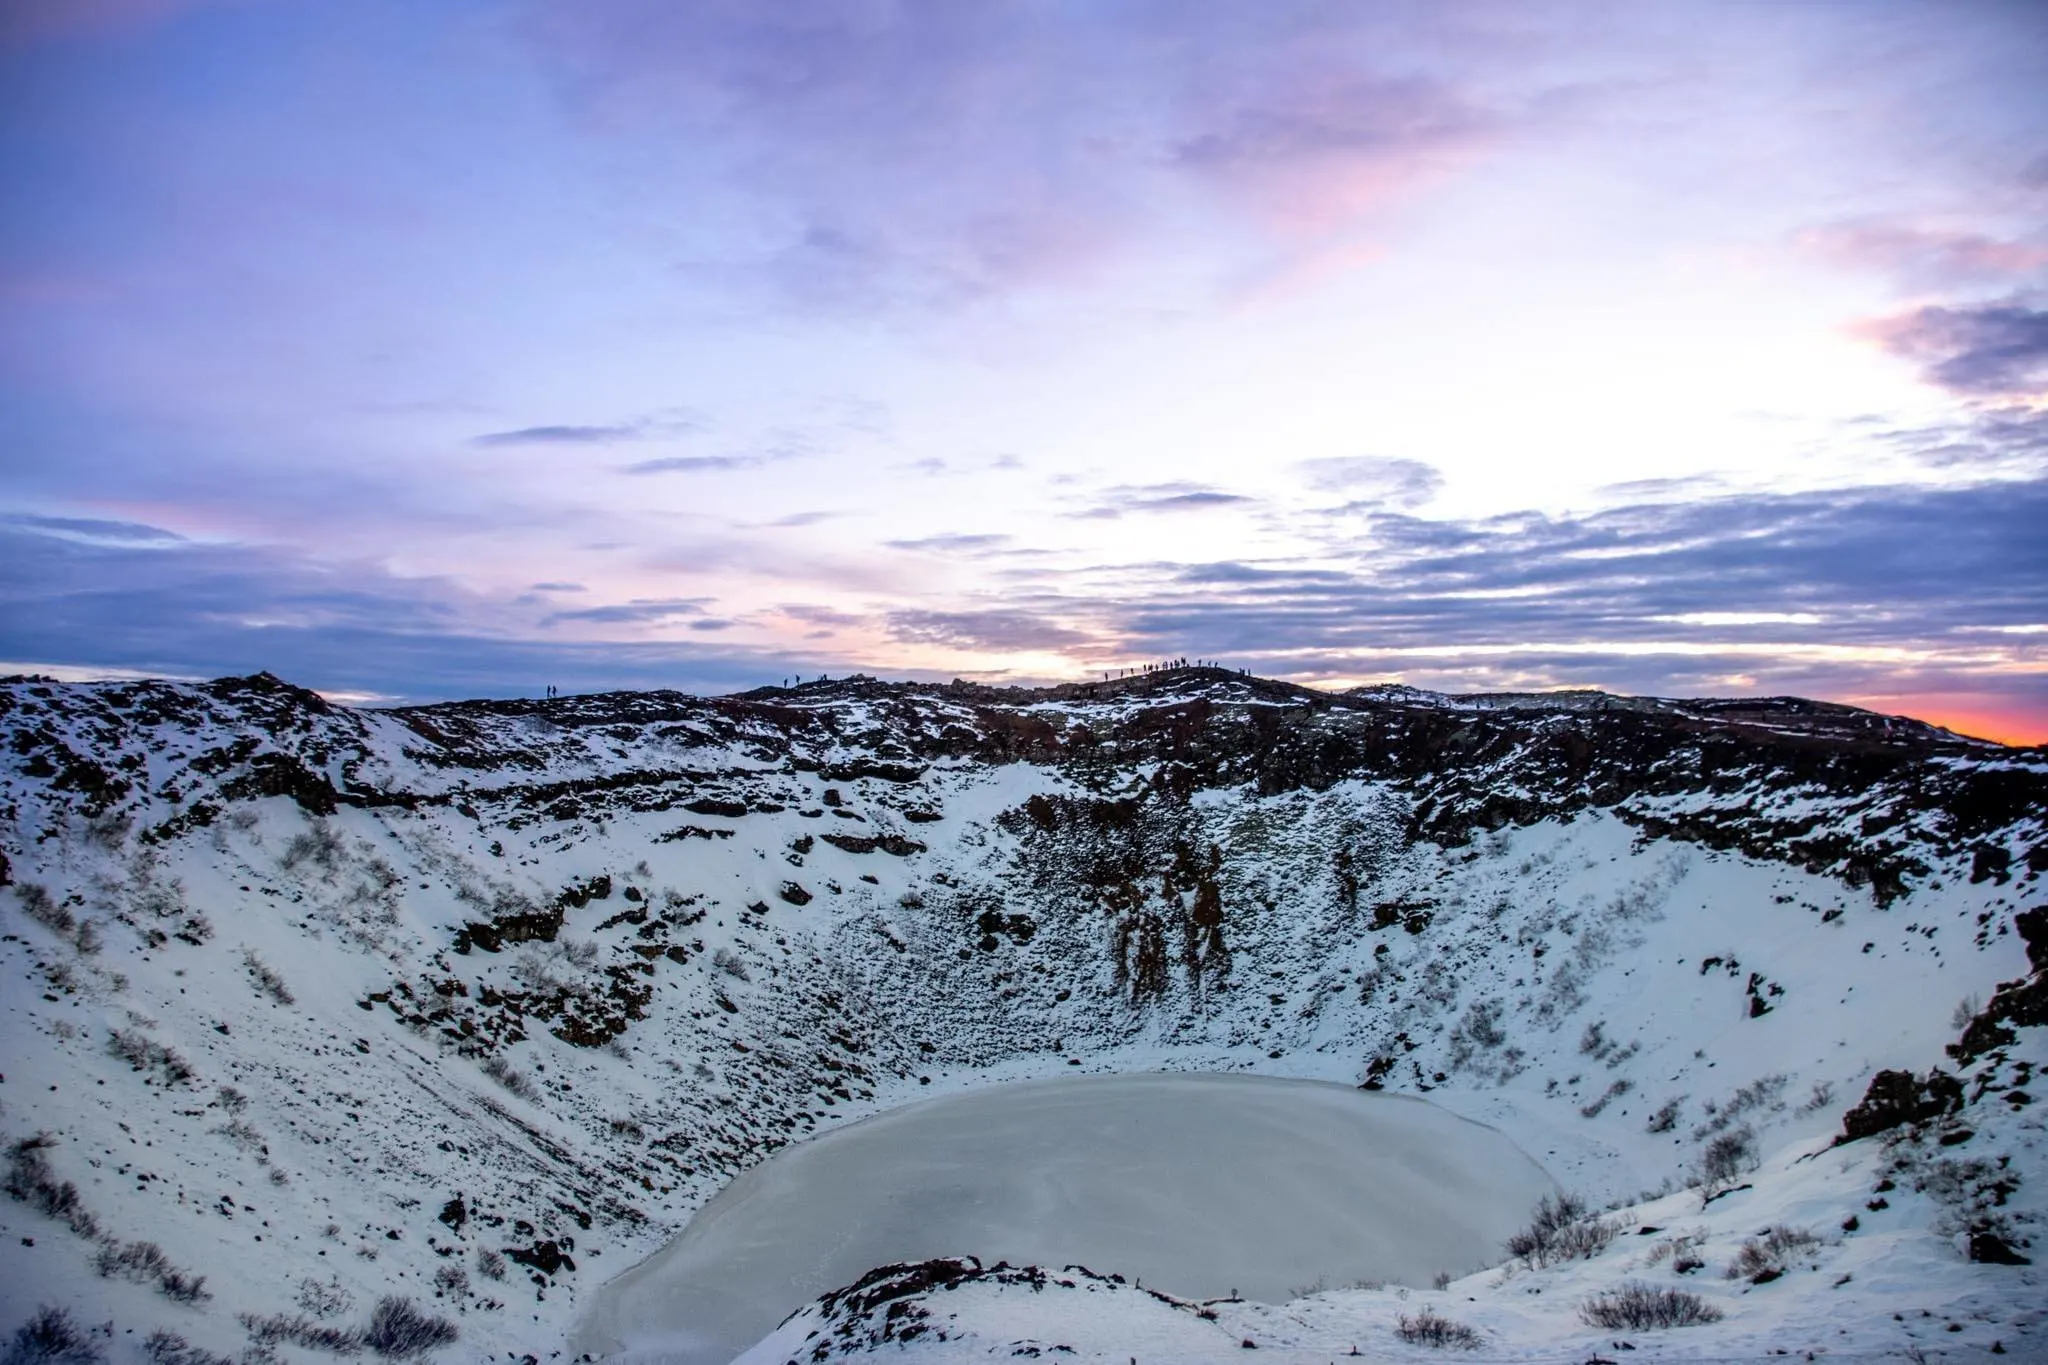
(415, 351)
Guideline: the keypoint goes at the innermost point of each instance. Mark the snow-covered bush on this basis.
(1427, 1328)
(320, 845)
(168, 1348)
(1764, 1258)
(30, 1179)
(1559, 1230)
(505, 1074)
(39, 905)
(1637, 1307)
(144, 1053)
(267, 978)
(399, 1330)
(324, 1300)
(1723, 1162)
(49, 1337)
(298, 1330)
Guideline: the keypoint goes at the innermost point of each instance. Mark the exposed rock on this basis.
(1896, 1098)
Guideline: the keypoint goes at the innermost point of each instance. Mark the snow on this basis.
(1199, 1185)
(319, 1140)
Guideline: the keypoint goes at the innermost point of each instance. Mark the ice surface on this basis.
(1195, 1184)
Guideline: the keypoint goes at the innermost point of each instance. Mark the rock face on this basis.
(579, 961)
(1896, 1098)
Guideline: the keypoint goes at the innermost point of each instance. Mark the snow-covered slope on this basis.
(472, 1005)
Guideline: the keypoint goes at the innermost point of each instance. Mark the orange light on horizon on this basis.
(2019, 726)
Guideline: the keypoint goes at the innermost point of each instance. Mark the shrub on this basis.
(490, 1264)
(297, 1330)
(452, 1280)
(1620, 1087)
(168, 1348)
(30, 1180)
(1559, 1230)
(138, 1261)
(505, 1074)
(1434, 1329)
(1666, 1117)
(1724, 1161)
(39, 905)
(87, 940)
(183, 1288)
(49, 1337)
(1763, 1259)
(144, 1053)
(727, 961)
(1637, 1307)
(320, 845)
(324, 1300)
(267, 978)
(398, 1329)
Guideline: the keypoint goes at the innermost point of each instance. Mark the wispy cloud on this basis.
(558, 436)
(1992, 350)
(693, 464)
(639, 611)
(1138, 499)
(952, 543)
(1371, 481)
(94, 530)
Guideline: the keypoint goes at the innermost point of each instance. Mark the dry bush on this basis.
(505, 1074)
(39, 905)
(1763, 1259)
(490, 1264)
(324, 1300)
(1723, 1162)
(144, 1053)
(49, 1337)
(727, 961)
(1434, 1329)
(30, 1179)
(451, 1280)
(168, 1348)
(299, 1330)
(320, 845)
(138, 1261)
(1637, 1307)
(398, 1330)
(1666, 1117)
(1559, 1230)
(267, 978)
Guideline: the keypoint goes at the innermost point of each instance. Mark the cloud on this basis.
(559, 587)
(693, 464)
(93, 530)
(953, 543)
(1373, 481)
(1992, 350)
(998, 630)
(1926, 257)
(639, 611)
(1335, 143)
(1129, 499)
(798, 519)
(558, 436)
(923, 155)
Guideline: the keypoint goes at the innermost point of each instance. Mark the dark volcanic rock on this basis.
(1896, 1098)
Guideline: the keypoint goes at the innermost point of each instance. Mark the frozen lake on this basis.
(1195, 1184)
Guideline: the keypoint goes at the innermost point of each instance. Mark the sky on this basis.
(421, 351)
